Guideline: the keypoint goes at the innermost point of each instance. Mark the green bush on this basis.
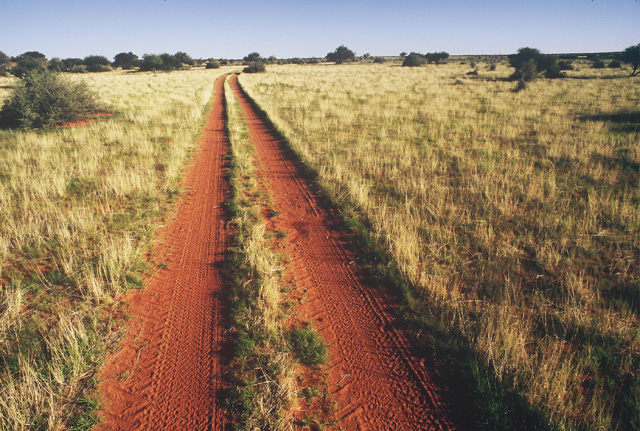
(255, 67)
(44, 99)
(212, 64)
(308, 346)
(598, 64)
(414, 59)
(379, 60)
(79, 68)
(614, 64)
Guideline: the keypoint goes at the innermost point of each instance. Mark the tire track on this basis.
(378, 384)
(167, 374)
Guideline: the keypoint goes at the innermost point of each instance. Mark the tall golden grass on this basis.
(77, 207)
(515, 214)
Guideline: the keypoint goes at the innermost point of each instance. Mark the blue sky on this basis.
(299, 28)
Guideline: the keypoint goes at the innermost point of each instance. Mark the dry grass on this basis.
(77, 206)
(515, 214)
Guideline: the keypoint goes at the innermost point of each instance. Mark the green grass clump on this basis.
(308, 346)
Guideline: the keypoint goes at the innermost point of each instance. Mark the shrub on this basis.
(97, 63)
(79, 68)
(565, 65)
(528, 62)
(308, 346)
(341, 54)
(615, 64)
(255, 67)
(379, 60)
(414, 59)
(212, 64)
(44, 99)
(598, 64)
(125, 60)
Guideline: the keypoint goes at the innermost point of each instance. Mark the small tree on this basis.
(97, 63)
(43, 99)
(255, 67)
(184, 58)
(414, 59)
(254, 57)
(28, 61)
(125, 60)
(151, 62)
(528, 62)
(69, 63)
(212, 64)
(341, 54)
(631, 55)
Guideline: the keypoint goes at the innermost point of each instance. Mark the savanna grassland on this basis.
(78, 208)
(515, 216)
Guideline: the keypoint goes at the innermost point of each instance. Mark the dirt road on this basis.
(167, 373)
(376, 381)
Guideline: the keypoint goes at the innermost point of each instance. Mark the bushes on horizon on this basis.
(212, 64)
(97, 63)
(44, 99)
(125, 60)
(255, 67)
(341, 54)
(529, 62)
(414, 59)
(5, 62)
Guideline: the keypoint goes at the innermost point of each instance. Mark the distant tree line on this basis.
(34, 60)
(416, 59)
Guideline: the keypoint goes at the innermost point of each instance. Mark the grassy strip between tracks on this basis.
(270, 353)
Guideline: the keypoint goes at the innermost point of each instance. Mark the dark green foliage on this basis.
(97, 63)
(150, 62)
(631, 55)
(437, 57)
(44, 99)
(254, 57)
(184, 58)
(28, 61)
(341, 54)
(414, 59)
(153, 62)
(379, 60)
(615, 64)
(212, 64)
(169, 62)
(255, 67)
(69, 63)
(565, 65)
(125, 60)
(308, 346)
(598, 64)
(529, 62)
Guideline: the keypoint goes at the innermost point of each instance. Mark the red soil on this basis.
(377, 382)
(167, 372)
(93, 118)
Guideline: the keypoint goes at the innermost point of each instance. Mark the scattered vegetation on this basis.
(44, 99)
(514, 219)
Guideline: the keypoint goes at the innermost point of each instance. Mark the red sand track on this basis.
(377, 383)
(167, 373)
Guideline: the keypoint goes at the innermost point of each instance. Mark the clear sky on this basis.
(301, 28)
